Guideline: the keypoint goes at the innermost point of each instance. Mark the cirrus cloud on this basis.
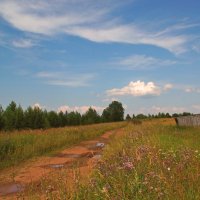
(93, 20)
(142, 62)
(23, 43)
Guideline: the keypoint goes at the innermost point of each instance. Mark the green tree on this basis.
(90, 117)
(35, 118)
(1, 118)
(106, 116)
(53, 119)
(39, 118)
(19, 121)
(74, 118)
(141, 116)
(62, 118)
(10, 116)
(128, 118)
(29, 117)
(114, 112)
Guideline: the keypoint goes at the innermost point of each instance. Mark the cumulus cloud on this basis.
(23, 43)
(80, 109)
(139, 88)
(93, 20)
(142, 62)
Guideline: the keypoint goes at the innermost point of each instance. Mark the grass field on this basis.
(18, 146)
(155, 160)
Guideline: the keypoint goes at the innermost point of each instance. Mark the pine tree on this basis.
(90, 117)
(19, 121)
(1, 118)
(10, 116)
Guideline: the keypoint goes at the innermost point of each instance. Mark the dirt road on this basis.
(86, 154)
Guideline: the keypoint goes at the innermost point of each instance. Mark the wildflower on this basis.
(196, 151)
(151, 188)
(168, 169)
(128, 165)
(104, 190)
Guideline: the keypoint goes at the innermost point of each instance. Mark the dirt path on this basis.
(87, 153)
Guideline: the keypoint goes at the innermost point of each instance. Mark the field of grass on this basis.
(16, 147)
(155, 160)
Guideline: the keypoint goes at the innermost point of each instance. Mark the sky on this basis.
(72, 54)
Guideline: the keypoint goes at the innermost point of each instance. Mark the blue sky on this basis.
(71, 54)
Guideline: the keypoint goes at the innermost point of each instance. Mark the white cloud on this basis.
(192, 90)
(110, 99)
(196, 108)
(23, 43)
(168, 86)
(80, 109)
(131, 34)
(142, 62)
(37, 105)
(87, 19)
(45, 74)
(139, 88)
(162, 109)
(66, 79)
(167, 109)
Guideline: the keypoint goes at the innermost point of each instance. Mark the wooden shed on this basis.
(193, 120)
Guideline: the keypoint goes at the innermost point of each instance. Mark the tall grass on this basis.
(16, 147)
(151, 161)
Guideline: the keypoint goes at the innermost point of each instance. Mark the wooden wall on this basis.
(188, 120)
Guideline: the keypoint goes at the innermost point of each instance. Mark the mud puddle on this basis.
(10, 189)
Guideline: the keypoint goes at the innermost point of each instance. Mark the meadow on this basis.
(152, 160)
(18, 146)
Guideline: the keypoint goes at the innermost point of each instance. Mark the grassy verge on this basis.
(19, 146)
(152, 161)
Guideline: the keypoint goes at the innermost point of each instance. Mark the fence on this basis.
(193, 120)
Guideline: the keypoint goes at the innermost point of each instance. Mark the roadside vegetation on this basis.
(152, 160)
(18, 146)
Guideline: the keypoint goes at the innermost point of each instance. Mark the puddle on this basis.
(100, 144)
(66, 155)
(56, 166)
(96, 146)
(10, 189)
(98, 156)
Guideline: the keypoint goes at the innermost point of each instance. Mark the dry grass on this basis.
(18, 146)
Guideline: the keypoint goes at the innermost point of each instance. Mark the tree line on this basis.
(158, 115)
(15, 118)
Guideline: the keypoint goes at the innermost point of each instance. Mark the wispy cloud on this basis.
(142, 62)
(23, 43)
(45, 74)
(139, 88)
(192, 90)
(66, 79)
(169, 109)
(162, 109)
(92, 21)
